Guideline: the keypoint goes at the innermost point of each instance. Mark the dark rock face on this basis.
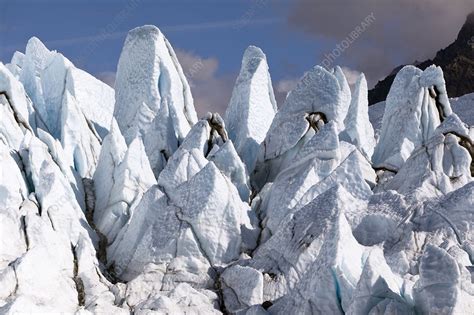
(457, 61)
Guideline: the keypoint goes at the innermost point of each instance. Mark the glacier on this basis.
(121, 200)
(153, 97)
(252, 106)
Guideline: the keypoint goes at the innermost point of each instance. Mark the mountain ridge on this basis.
(457, 61)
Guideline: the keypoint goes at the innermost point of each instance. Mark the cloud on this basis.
(104, 35)
(351, 75)
(107, 77)
(211, 91)
(219, 25)
(404, 30)
(282, 87)
(286, 85)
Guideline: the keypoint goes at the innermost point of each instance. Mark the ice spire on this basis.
(252, 106)
(153, 98)
(358, 129)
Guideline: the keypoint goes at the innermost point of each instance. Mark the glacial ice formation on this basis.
(358, 129)
(153, 98)
(48, 75)
(416, 104)
(195, 216)
(129, 204)
(317, 99)
(122, 177)
(252, 106)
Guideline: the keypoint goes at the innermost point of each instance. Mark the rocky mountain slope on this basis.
(457, 61)
(124, 202)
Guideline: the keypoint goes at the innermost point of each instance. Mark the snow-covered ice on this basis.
(252, 106)
(358, 129)
(153, 98)
(120, 201)
(416, 104)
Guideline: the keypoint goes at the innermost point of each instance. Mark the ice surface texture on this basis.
(120, 201)
(153, 98)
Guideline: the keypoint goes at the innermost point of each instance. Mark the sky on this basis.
(295, 35)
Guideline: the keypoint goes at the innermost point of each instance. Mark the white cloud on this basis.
(286, 85)
(103, 35)
(106, 77)
(282, 87)
(211, 92)
(351, 75)
(403, 30)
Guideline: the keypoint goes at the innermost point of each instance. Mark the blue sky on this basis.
(217, 31)
(208, 28)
